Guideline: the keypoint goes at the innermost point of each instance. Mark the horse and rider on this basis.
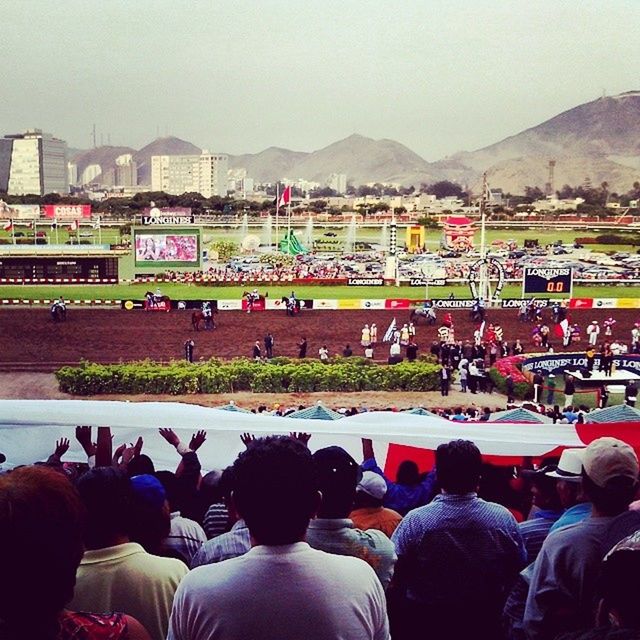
(59, 310)
(478, 310)
(427, 312)
(529, 311)
(292, 304)
(156, 301)
(251, 297)
(204, 315)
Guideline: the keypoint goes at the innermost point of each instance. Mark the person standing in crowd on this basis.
(41, 523)
(593, 331)
(302, 348)
(188, 349)
(410, 489)
(257, 350)
(116, 574)
(510, 388)
(368, 353)
(603, 397)
(631, 393)
(562, 593)
(368, 510)
(412, 350)
(373, 332)
(456, 554)
(538, 382)
(590, 356)
(281, 588)
(551, 388)
(518, 349)
(323, 354)
(569, 391)
(445, 380)
(331, 530)
(268, 345)
(347, 352)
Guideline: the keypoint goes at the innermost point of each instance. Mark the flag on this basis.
(74, 225)
(388, 334)
(8, 225)
(285, 197)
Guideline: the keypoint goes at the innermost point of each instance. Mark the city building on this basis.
(205, 174)
(126, 171)
(33, 163)
(338, 182)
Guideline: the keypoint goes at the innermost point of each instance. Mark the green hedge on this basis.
(277, 376)
(521, 390)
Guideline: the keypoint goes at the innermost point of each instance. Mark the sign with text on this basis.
(62, 212)
(423, 282)
(557, 280)
(168, 216)
(365, 282)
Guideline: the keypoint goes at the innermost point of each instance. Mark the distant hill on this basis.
(598, 139)
(170, 146)
(104, 156)
(269, 165)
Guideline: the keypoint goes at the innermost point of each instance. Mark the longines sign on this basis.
(559, 363)
(168, 220)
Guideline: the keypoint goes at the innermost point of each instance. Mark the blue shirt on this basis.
(402, 497)
(461, 550)
(535, 530)
(573, 515)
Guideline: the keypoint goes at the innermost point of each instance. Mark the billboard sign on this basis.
(62, 212)
(365, 282)
(19, 211)
(556, 280)
(167, 247)
(168, 216)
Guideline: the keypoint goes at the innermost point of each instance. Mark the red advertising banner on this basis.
(62, 212)
(581, 303)
(394, 303)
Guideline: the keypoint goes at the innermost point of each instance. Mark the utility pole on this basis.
(483, 280)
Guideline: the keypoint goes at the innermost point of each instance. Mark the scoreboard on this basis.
(40, 268)
(548, 280)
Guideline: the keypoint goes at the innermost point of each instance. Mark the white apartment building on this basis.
(205, 174)
(35, 163)
(338, 182)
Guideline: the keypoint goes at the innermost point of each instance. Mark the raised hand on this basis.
(62, 446)
(197, 439)
(299, 435)
(247, 439)
(169, 436)
(83, 436)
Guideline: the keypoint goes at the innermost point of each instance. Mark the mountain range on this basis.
(598, 140)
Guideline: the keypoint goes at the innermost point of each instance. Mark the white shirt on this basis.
(288, 592)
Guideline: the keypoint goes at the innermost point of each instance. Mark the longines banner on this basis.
(423, 282)
(561, 362)
(365, 282)
(447, 303)
(516, 303)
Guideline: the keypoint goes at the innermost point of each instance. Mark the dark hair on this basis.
(408, 473)
(619, 587)
(107, 496)
(458, 464)
(275, 489)
(140, 465)
(613, 499)
(41, 526)
(337, 475)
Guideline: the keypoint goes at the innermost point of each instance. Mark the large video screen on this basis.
(167, 248)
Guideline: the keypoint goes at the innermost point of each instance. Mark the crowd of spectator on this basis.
(289, 544)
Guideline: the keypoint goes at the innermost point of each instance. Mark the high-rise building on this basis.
(338, 182)
(126, 171)
(205, 174)
(33, 163)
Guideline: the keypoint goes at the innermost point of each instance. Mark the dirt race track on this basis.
(29, 338)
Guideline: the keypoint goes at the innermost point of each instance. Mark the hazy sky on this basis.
(239, 75)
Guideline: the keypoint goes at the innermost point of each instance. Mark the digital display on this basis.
(167, 248)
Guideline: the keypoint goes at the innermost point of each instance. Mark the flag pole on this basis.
(289, 219)
(78, 232)
(277, 211)
(99, 231)
(55, 220)
(13, 232)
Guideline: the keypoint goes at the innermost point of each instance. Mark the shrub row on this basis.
(276, 376)
(511, 365)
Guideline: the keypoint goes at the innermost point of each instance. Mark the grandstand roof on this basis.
(232, 406)
(317, 412)
(519, 415)
(421, 411)
(617, 413)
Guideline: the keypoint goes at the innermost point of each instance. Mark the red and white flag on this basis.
(285, 197)
(8, 225)
(73, 226)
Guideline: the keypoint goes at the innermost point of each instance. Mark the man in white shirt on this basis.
(593, 331)
(281, 589)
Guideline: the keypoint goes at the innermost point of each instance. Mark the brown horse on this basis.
(199, 316)
(152, 300)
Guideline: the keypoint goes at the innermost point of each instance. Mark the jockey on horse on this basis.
(252, 298)
(59, 310)
(426, 311)
(292, 304)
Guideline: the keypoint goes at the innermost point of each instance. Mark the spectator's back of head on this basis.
(275, 489)
(107, 496)
(41, 527)
(458, 465)
(338, 475)
(140, 465)
(408, 473)
(370, 491)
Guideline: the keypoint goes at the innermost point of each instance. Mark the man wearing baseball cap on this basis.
(368, 512)
(562, 593)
